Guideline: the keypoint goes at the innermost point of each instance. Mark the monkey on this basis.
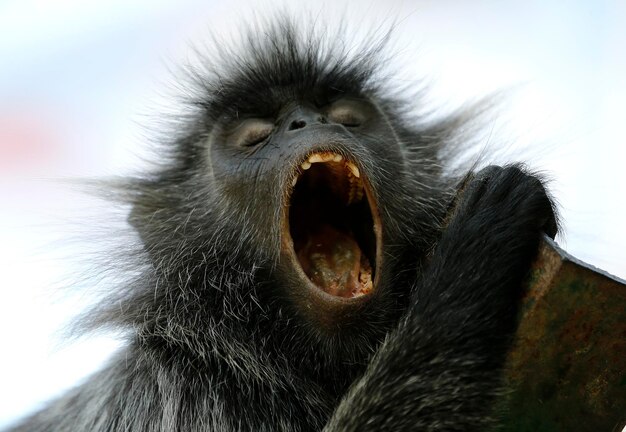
(310, 261)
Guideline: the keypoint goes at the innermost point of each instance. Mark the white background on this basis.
(80, 83)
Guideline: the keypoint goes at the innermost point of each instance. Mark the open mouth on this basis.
(334, 226)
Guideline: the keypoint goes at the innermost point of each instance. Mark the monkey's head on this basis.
(296, 197)
(303, 168)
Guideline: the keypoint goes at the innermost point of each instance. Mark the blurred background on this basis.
(81, 84)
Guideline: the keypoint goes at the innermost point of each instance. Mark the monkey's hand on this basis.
(441, 368)
(477, 268)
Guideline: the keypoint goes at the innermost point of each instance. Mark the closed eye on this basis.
(348, 112)
(252, 132)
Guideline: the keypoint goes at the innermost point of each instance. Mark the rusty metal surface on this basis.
(567, 369)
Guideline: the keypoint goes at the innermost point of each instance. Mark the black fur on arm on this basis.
(222, 334)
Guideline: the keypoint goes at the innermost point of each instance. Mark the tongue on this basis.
(333, 260)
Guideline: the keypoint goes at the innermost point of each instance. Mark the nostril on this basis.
(297, 124)
(322, 120)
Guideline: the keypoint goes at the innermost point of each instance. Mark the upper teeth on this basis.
(324, 157)
(327, 157)
(319, 157)
(354, 189)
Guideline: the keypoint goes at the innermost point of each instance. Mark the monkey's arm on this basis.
(440, 369)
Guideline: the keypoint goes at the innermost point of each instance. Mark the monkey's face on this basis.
(313, 180)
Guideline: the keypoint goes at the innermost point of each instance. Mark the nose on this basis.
(303, 117)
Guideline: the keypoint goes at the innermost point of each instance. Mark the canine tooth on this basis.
(337, 158)
(353, 169)
(306, 165)
(294, 181)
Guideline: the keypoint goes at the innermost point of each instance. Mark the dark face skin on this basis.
(256, 160)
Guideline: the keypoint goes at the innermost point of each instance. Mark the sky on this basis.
(84, 85)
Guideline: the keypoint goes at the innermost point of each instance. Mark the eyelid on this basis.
(348, 112)
(250, 132)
